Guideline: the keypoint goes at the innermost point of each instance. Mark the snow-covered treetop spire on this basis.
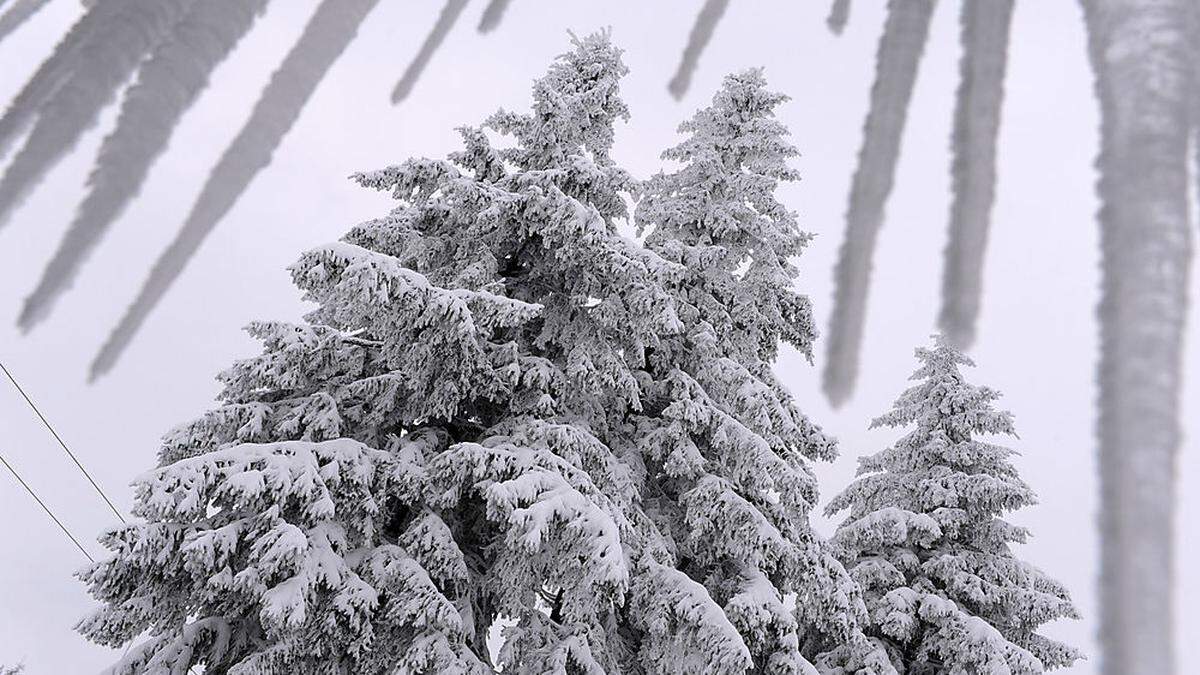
(926, 541)
(947, 413)
(724, 448)
(575, 105)
(718, 215)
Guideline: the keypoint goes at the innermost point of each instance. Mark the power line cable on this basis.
(61, 443)
(75, 459)
(46, 509)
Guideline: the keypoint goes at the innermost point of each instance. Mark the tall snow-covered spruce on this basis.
(429, 451)
(504, 414)
(725, 449)
(926, 541)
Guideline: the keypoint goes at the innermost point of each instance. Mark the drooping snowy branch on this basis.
(441, 28)
(332, 27)
(168, 83)
(900, 49)
(104, 64)
(1144, 63)
(18, 14)
(702, 32)
(985, 28)
(493, 14)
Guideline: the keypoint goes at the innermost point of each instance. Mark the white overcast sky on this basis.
(1038, 341)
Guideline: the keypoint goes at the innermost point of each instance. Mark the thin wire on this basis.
(46, 509)
(60, 442)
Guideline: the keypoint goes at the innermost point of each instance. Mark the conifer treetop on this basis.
(926, 540)
(719, 217)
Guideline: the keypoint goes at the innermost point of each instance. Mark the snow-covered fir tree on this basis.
(502, 413)
(429, 451)
(725, 450)
(926, 540)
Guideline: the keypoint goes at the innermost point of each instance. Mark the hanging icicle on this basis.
(18, 14)
(493, 14)
(702, 32)
(168, 83)
(839, 14)
(985, 28)
(1145, 70)
(104, 64)
(900, 49)
(441, 28)
(326, 36)
(51, 74)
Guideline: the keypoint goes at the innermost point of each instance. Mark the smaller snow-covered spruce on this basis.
(926, 542)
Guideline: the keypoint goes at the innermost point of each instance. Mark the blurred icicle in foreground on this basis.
(326, 36)
(445, 22)
(900, 50)
(18, 14)
(105, 62)
(168, 83)
(839, 14)
(493, 14)
(1144, 66)
(50, 75)
(985, 27)
(702, 32)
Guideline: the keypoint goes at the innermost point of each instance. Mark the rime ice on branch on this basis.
(926, 541)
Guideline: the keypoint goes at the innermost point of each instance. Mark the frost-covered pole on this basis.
(1141, 57)
(18, 14)
(702, 32)
(332, 27)
(441, 28)
(104, 64)
(985, 28)
(168, 83)
(899, 54)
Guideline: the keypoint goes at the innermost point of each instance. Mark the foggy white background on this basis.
(1037, 335)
